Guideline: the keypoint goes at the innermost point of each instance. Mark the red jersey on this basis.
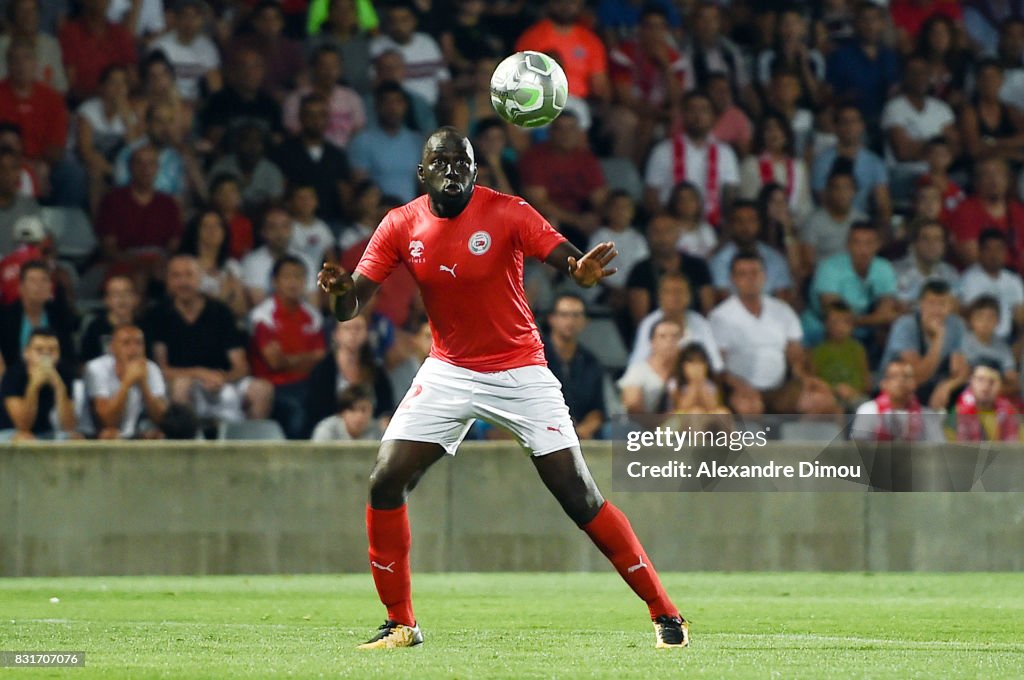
(297, 330)
(10, 270)
(971, 218)
(470, 271)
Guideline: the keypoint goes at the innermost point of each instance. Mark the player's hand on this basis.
(592, 267)
(334, 279)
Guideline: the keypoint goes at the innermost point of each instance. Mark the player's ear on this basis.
(419, 172)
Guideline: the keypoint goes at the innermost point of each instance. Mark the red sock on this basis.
(612, 534)
(390, 542)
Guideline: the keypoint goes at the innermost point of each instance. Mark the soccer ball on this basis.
(529, 89)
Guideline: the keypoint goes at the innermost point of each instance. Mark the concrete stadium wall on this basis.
(94, 508)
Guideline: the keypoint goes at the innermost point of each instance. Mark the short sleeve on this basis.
(95, 385)
(359, 153)
(658, 165)
(893, 114)
(885, 281)
(537, 237)
(382, 254)
(794, 331)
(157, 386)
(728, 168)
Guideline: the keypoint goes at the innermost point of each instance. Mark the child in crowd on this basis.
(354, 419)
(226, 196)
(841, 360)
(311, 237)
(981, 343)
(940, 157)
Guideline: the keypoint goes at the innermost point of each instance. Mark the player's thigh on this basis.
(436, 409)
(528, 402)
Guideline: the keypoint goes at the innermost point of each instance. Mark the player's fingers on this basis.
(609, 272)
(572, 262)
(608, 257)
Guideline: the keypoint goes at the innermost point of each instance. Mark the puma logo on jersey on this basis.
(450, 270)
(638, 566)
(378, 565)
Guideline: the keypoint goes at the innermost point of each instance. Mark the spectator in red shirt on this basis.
(90, 44)
(563, 179)
(37, 109)
(137, 225)
(648, 77)
(226, 198)
(989, 207)
(287, 342)
(583, 54)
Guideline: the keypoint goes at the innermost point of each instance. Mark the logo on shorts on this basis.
(416, 250)
(413, 393)
(556, 429)
(479, 243)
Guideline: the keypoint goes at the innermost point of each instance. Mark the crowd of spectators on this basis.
(816, 205)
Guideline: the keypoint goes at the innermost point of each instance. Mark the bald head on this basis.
(447, 137)
(448, 171)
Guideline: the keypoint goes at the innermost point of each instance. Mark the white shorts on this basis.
(445, 400)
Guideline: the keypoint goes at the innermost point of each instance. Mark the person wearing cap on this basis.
(12, 204)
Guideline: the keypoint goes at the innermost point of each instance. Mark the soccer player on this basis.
(465, 246)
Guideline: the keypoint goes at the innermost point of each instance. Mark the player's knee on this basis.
(388, 488)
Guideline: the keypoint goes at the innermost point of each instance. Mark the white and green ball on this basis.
(529, 89)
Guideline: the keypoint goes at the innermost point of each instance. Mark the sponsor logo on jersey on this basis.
(479, 243)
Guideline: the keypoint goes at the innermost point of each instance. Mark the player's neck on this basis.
(448, 209)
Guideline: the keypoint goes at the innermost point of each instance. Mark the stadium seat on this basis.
(601, 336)
(262, 430)
(620, 173)
(72, 231)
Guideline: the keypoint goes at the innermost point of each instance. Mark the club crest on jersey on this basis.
(416, 250)
(479, 243)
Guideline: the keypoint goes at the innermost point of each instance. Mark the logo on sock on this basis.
(378, 565)
(638, 566)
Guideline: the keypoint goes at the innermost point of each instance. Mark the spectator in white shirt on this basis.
(910, 120)
(428, 75)
(311, 237)
(193, 54)
(644, 385)
(123, 387)
(695, 156)
(989, 276)
(353, 421)
(258, 265)
(760, 340)
(674, 297)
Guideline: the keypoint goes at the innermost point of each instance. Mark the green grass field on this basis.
(791, 625)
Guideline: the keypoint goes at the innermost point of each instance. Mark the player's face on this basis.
(448, 170)
(985, 385)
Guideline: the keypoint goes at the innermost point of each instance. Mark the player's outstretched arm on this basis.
(348, 293)
(586, 270)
